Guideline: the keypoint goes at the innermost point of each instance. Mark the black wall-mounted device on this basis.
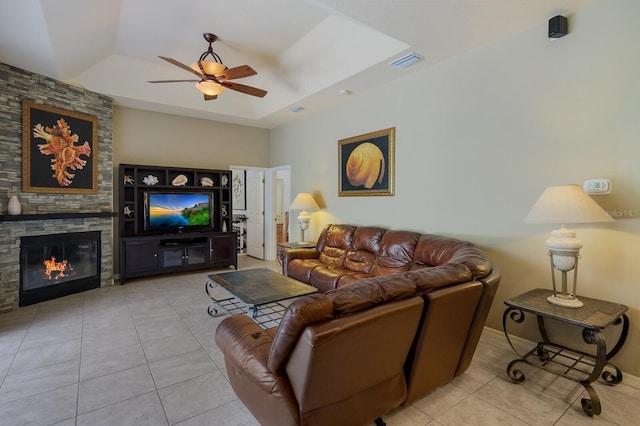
(558, 26)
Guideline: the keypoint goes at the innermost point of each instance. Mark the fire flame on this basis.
(52, 266)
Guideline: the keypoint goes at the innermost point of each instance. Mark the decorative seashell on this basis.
(179, 180)
(365, 165)
(128, 211)
(150, 180)
(128, 180)
(206, 181)
(224, 180)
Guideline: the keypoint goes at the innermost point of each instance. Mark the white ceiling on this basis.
(305, 51)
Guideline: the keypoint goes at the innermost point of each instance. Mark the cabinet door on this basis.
(172, 257)
(223, 249)
(197, 255)
(139, 257)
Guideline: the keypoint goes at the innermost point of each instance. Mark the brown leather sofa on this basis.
(455, 278)
(335, 359)
(402, 314)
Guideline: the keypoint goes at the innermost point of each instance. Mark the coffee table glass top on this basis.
(261, 286)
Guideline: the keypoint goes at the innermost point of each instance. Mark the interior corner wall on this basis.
(479, 137)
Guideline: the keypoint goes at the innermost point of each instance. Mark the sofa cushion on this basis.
(301, 313)
(351, 278)
(300, 269)
(325, 277)
(333, 255)
(427, 279)
(359, 261)
(433, 250)
(338, 236)
(396, 252)
(369, 292)
(367, 238)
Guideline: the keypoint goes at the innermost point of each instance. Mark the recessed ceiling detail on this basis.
(303, 51)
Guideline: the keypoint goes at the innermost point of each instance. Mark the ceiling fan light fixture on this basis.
(210, 67)
(214, 75)
(210, 88)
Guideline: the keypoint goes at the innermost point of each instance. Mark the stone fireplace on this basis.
(58, 265)
(45, 213)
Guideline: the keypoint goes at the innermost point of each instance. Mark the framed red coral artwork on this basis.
(59, 150)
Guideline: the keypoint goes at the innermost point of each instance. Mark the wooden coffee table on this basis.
(255, 292)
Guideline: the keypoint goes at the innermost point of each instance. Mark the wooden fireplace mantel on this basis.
(49, 216)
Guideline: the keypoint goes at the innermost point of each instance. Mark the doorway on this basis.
(268, 193)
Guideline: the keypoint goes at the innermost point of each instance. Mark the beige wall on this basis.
(144, 137)
(479, 137)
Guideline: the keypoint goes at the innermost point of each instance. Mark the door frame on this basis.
(270, 176)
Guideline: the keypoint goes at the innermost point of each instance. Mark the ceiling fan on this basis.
(214, 75)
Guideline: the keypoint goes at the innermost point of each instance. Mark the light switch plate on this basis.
(597, 186)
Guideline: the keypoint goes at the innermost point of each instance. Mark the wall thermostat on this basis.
(597, 186)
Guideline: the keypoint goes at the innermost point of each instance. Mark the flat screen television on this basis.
(177, 211)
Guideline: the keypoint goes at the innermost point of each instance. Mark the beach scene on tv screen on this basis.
(170, 210)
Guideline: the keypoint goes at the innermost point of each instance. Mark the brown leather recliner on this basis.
(455, 278)
(336, 358)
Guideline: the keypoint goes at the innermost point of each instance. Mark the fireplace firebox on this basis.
(58, 265)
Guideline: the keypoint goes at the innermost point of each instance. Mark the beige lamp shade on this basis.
(304, 201)
(566, 204)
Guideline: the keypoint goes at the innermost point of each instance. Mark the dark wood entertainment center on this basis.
(146, 251)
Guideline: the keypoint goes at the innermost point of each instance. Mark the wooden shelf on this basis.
(49, 216)
(147, 252)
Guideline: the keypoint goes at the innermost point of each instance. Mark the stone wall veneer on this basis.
(18, 85)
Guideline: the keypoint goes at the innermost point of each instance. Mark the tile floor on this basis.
(144, 354)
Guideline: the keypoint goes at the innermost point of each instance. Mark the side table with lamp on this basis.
(562, 205)
(303, 202)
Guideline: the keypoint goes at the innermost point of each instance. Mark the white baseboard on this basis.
(627, 379)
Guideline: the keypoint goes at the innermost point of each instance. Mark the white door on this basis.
(255, 213)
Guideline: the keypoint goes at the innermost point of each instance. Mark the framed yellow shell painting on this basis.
(366, 164)
(59, 150)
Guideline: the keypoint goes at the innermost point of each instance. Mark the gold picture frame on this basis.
(366, 164)
(59, 150)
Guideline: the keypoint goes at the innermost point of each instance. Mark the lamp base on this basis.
(565, 300)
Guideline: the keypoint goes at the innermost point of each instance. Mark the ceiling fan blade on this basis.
(172, 81)
(236, 72)
(183, 66)
(245, 89)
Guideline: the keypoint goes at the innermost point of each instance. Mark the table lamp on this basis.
(304, 201)
(565, 204)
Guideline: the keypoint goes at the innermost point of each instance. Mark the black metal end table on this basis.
(581, 367)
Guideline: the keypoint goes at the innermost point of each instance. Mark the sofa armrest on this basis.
(297, 253)
(246, 348)
(267, 394)
(301, 253)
